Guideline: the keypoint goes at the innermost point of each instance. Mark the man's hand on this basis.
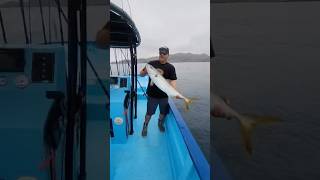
(178, 97)
(143, 72)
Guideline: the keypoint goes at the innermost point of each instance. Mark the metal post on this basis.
(136, 80)
(132, 88)
(83, 88)
(72, 91)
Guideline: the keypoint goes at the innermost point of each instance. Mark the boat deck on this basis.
(159, 155)
(142, 157)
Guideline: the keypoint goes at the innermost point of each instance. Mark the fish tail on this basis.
(248, 123)
(188, 101)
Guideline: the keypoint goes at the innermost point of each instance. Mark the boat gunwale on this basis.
(200, 162)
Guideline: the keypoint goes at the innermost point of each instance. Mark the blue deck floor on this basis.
(142, 157)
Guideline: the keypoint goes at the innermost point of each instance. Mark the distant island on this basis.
(176, 58)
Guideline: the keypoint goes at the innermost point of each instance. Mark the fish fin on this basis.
(248, 123)
(188, 101)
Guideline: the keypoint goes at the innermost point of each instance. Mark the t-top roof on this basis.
(123, 30)
(35, 3)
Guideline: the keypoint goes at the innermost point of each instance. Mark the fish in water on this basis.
(163, 84)
(248, 122)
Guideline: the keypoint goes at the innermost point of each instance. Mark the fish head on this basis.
(151, 70)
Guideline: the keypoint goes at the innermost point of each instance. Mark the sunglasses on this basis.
(163, 50)
(164, 53)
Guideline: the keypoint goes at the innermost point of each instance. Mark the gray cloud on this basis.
(182, 25)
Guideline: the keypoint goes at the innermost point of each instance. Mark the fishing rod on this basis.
(60, 20)
(61, 10)
(42, 23)
(87, 58)
(24, 22)
(128, 68)
(4, 36)
(129, 7)
(123, 68)
(115, 55)
(72, 77)
(49, 21)
(29, 18)
(123, 62)
(122, 65)
(144, 93)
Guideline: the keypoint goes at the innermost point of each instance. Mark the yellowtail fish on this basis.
(163, 84)
(248, 122)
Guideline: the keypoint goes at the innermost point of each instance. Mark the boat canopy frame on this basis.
(124, 34)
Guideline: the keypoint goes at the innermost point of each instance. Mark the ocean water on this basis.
(193, 81)
(267, 63)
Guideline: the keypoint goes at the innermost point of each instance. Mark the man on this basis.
(157, 97)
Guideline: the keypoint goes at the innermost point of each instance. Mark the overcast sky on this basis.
(182, 25)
